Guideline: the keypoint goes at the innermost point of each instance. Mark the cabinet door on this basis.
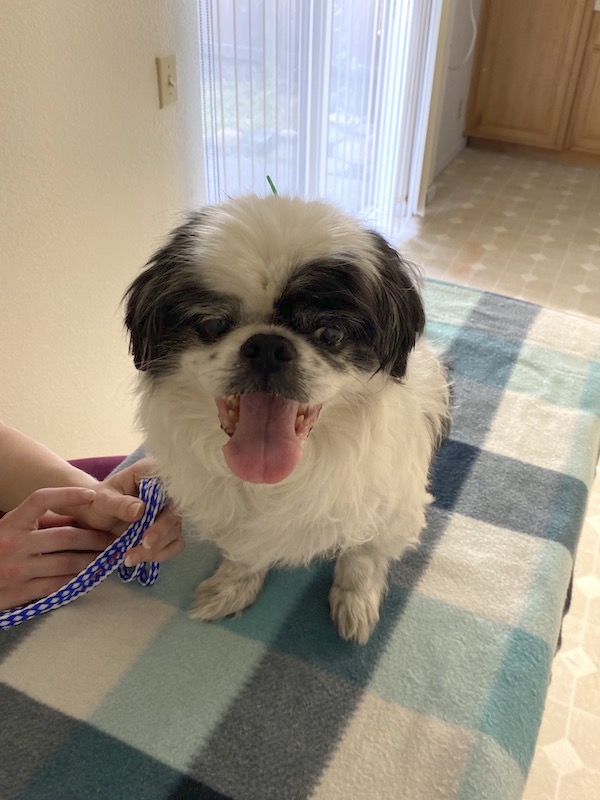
(585, 127)
(529, 55)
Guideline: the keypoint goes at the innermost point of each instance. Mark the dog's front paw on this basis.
(229, 591)
(354, 614)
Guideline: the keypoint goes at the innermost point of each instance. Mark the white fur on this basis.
(360, 490)
(250, 248)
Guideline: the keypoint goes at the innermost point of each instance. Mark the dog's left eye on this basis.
(330, 336)
(214, 328)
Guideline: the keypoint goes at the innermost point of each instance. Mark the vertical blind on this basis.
(328, 97)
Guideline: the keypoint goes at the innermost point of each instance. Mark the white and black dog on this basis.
(288, 397)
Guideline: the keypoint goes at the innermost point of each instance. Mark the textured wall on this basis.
(92, 175)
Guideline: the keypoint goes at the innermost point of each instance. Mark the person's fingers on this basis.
(52, 520)
(144, 468)
(138, 554)
(49, 565)
(54, 540)
(173, 549)
(162, 540)
(42, 500)
(164, 530)
(111, 504)
(164, 536)
(129, 479)
(32, 590)
(53, 565)
(117, 497)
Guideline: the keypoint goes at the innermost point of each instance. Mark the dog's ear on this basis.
(155, 298)
(144, 318)
(401, 316)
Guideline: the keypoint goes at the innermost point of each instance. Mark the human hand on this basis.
(41, 551)
(116, 505)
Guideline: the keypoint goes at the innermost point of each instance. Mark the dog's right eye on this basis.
(330, 336)
(213, 329)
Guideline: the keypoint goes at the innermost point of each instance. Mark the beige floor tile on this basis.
(591, 643)
(565, 296)
(587, 692)
(542, 782)
(590, 536)
(573, 632)
(586, 563)
(579, 785)
(562, 684)
(555, 723)
(579, 602)
(584, 731)
(593, 610)
(482, 279)
(529, 245)
(563, 757)
(539, 291)
(590, 304)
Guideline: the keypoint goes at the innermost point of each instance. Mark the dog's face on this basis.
(273, 307)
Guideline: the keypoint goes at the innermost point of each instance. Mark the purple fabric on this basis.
(99, 466)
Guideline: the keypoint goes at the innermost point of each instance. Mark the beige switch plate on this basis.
(166, 70)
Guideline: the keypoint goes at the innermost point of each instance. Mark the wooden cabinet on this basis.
(536, 76)
(584, 134)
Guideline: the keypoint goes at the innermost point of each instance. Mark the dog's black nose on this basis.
(268, 352)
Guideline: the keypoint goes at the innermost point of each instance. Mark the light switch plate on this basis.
(166, 70)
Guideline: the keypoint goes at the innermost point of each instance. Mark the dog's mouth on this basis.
(266, 433)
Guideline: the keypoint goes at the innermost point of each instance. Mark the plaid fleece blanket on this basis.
(119, 695)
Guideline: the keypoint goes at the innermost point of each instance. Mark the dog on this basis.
(288, 396)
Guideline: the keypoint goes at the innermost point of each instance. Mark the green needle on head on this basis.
(271, 184)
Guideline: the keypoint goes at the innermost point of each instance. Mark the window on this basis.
(328, 97)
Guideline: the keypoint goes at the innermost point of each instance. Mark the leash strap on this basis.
(154, 496)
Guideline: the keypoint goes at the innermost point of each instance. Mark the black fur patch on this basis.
(168, 308)
(380, 319)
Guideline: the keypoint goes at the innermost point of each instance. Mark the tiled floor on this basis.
(531, 229)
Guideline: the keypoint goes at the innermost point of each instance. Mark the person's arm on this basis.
(27, 465)
(40, 549)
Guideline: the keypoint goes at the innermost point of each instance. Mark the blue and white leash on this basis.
(155, 498)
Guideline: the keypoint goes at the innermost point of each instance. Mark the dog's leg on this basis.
(230, 590)
(359, 583)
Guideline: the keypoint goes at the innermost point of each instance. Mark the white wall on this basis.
(456, 88)
(92, 176)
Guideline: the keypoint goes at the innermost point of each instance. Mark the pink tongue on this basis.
(264, 447)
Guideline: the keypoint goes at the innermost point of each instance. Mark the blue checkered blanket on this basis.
(119, 695)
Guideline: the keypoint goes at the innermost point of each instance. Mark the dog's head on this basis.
(272, 306)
